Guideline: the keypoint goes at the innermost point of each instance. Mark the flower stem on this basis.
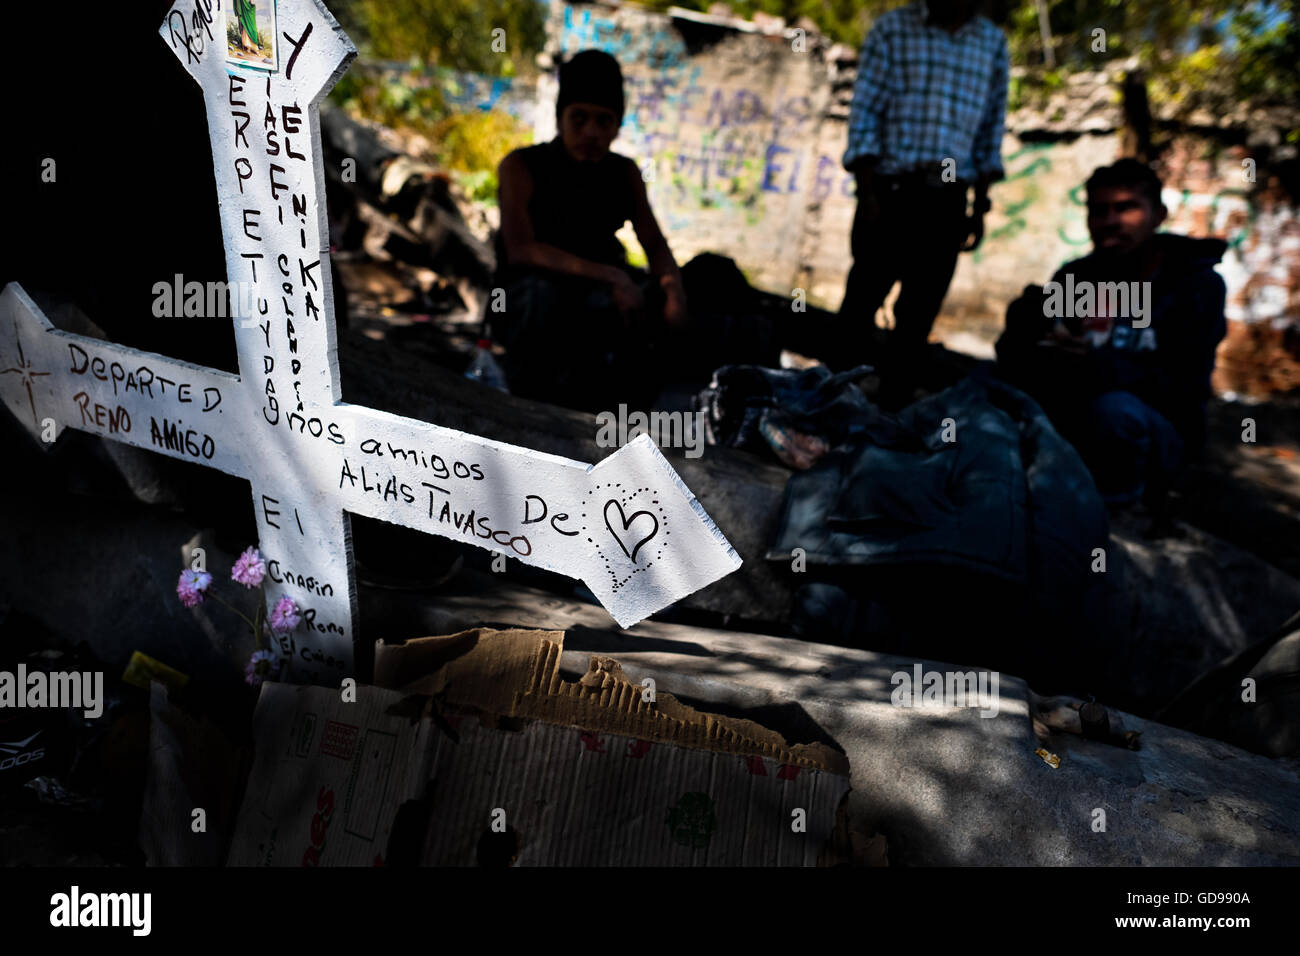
(219, 600)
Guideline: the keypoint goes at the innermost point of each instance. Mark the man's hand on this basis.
(973, 227)
(1063, 338)
(972, 233)
(674, 301)
(627, 296)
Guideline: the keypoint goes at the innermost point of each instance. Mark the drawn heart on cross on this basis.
(647, 524)
(620, 525)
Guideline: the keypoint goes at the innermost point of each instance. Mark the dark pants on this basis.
(1133, 450)
(567, 343)
(914, 240)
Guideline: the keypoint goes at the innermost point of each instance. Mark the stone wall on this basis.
(728, 125)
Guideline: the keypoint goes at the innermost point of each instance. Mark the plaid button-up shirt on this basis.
(923, 95)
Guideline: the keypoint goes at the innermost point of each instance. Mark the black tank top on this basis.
(577, 207)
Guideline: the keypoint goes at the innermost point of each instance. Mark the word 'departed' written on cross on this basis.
(627, 527)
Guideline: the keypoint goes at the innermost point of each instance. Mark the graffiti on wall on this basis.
(1017, 192)
(740, 158)
(462, 91)
(725, 146)
(652, 43)
(718, 145)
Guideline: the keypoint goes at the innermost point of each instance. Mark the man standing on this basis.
(925, 127)
(246, 13)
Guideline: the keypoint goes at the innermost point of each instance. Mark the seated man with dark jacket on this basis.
(581, 326)
(1120, 346)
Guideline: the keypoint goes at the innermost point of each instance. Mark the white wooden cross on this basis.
(627, 527)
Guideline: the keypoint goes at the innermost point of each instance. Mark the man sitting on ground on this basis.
(1120, 346)
(581, 327)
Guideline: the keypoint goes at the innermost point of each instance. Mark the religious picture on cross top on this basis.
(250, 34)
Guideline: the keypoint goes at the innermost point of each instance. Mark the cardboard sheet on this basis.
(511, 763)
(328, 777)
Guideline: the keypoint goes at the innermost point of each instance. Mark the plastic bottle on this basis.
(485, 368)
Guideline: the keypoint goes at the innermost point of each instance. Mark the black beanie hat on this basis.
(591, 76)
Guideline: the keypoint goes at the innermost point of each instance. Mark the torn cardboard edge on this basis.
(515, 674)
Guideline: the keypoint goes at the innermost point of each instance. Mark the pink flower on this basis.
(263, 665)
(249, 570)
(285, 616)
(193, 587)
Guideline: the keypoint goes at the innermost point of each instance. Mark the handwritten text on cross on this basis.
(627, 527)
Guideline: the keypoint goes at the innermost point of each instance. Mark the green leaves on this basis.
(449, 33)
(1225, 50)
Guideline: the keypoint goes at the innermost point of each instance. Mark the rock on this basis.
(1251, 700)
(806, 24)
(399, 205)
(1175, 607)
(946, 786)
(841, 53)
